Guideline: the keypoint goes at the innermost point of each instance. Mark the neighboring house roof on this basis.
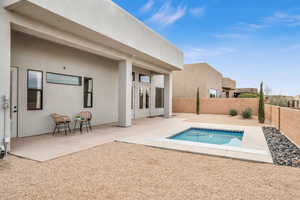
(297, 97)
(202, 66)
(198, 75)
(228, 83)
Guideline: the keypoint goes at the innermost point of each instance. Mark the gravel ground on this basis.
(283, 151)
(122, 171)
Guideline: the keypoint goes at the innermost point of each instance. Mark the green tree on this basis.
(198, 102)
(261, 107)
(249, 95)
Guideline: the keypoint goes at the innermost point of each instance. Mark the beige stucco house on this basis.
(210, 82)
(228, 87)
(67, 56)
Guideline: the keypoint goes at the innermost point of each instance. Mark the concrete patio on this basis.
(252, 148)
(47, 147)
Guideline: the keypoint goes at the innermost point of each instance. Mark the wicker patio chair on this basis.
(85, 120)
(61, 121)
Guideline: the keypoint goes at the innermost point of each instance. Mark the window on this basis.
(88, 93)
(144, 78)
(141, 99)
(159, 97)
(34, 90)
(147, 98)
(213, 93)
(63, 79)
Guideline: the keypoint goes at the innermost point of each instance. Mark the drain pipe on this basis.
(5, 106)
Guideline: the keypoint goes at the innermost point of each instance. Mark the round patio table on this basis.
(77, 119)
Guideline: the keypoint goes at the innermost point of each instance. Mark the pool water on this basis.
(210, 136)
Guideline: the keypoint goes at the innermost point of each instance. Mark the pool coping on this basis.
(253, 147)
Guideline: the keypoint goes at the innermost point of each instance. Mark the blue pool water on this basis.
(210, 136)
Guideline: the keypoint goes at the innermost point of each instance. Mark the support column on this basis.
(168, 95)
(125, 85)
(5, 39)
(152, 96)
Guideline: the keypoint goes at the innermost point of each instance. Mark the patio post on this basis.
(125, 84)
(152, 96)
(168, 95)
(5, 40)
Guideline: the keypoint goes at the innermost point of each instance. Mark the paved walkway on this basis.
(47, 147)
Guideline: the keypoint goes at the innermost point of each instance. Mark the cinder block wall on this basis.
(184, 105)
(275, 116)
(286, 120)
(214, 106)
(268, 113)
(290, 124)
(223, 106)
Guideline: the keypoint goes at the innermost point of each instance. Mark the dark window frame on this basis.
(213, 96)
(141, 99)
(133, 76)
(147, 99)
(227, 94)
(132, 97)
(87, 92)
(37, 90)
(80, 79)
(162, 103)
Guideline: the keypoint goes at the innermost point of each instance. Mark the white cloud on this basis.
(283, 19)
(295, 47)
(250, 26)
(231, 36)
(168, 14)
(147, 7)
(277, 19)
(197, 12)
(200, 54)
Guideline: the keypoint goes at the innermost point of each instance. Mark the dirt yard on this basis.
(123, 171)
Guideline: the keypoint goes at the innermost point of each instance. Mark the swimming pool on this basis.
(211, 136)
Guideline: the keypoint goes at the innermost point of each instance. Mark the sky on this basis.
(247, 40)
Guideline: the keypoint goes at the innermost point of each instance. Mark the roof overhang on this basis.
(112, 27)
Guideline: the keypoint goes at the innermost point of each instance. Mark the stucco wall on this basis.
(108, 20)
(287, 120)
(214, 106)
(199, 75)
(33, 53)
